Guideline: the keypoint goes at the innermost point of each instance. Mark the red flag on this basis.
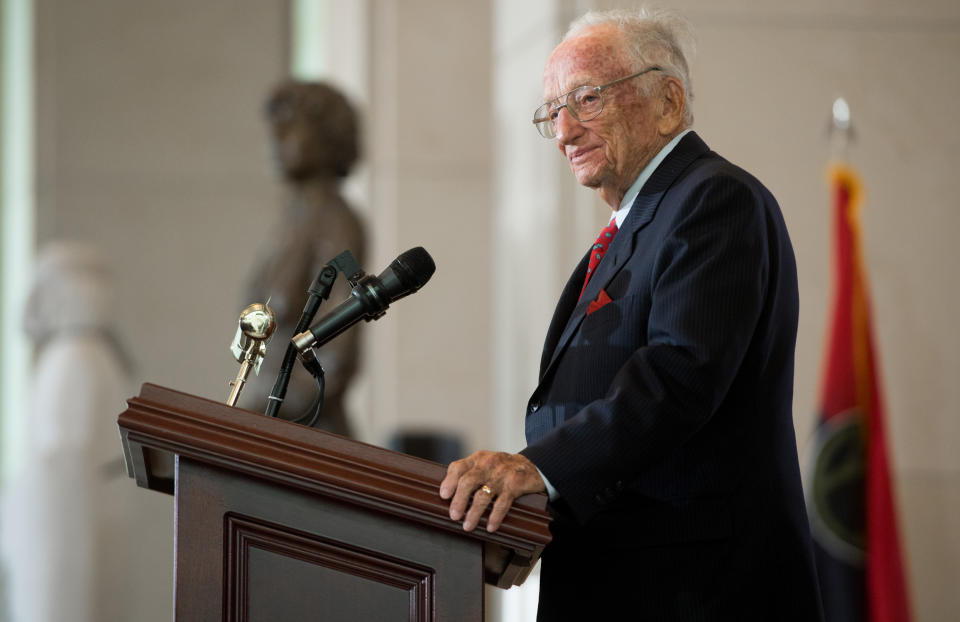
(849, 495)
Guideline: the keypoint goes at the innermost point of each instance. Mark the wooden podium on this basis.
(279, 522)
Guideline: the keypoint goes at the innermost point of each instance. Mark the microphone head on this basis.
(414, 268)
(406, 274)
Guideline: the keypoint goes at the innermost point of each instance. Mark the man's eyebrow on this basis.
(567, 92)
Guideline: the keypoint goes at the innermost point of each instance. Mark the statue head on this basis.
(314, 130)
(71, 291)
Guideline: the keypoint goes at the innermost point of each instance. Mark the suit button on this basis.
(534, 407)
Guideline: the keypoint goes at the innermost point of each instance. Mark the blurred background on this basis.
(139, 128)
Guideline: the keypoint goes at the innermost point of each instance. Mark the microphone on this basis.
(370, 297)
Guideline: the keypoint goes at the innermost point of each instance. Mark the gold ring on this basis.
(486, 489)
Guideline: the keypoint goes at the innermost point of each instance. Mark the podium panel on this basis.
(274, 553)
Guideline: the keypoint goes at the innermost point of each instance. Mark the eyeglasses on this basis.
(584, 103)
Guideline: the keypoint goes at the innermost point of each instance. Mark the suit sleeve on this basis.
(707, 287)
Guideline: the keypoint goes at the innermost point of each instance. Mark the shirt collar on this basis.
(634, 190)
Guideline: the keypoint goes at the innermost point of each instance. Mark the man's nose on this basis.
(566, 126)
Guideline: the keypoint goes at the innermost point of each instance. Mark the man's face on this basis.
(606, 153)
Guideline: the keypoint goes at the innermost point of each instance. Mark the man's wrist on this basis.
(551, 491)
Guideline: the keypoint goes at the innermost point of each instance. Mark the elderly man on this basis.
(661, 426)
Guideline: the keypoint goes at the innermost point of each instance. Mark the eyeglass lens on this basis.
(584, 103)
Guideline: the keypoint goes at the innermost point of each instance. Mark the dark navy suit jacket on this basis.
(664, 417)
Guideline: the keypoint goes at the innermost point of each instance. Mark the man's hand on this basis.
(488, 476)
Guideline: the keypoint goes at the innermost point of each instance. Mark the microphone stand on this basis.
(318, 291)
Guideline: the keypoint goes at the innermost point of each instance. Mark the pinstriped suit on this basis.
(664, 419)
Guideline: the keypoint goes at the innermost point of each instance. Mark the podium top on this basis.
(162, 423)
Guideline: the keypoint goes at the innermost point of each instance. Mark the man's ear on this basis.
(673, 105)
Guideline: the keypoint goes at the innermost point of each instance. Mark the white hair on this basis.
(654, 37)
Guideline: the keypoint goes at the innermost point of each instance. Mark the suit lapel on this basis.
(641, 213)
(563, 311)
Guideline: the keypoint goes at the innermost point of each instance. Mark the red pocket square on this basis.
(601, 300)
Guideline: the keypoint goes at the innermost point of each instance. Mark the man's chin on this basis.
(587, 179)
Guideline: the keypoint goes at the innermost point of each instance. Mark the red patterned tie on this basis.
(599, 249)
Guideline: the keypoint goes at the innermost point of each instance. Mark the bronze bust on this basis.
(315, 143)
